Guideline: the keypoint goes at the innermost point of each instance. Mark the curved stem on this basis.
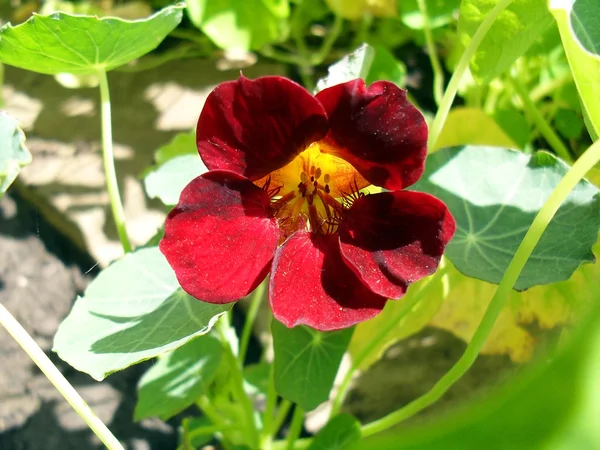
(543, 126)
(257, 298)
(265, 436)
(109, 164)
(406, 308)
(282, 412)
(334, 33)
(38, 356)
(590, 158)
(461, 68)
(438, 73)
(295, 427)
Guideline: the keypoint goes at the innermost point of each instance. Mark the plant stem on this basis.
(255, 302)
(438, 73)
(334, 33)
(550, 87)
(461, 68)
(282, 412)
(265, 436)
(587, 161)
(543, 126)
(237, 383)
(109, 164)
(295, 427)
(38, 356)
(406, 308)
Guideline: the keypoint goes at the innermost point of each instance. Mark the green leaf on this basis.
(62, 42)
(440, 12)
(513, 32)
(167, 181)
(340, 432)
(584, 65)
(494, 194)
(568, 123)
(240, 24)
(181, 144)
(133, 311)
(306, 362)
(178, 378)
(585, 17)
(550, 405)
(256, 378)
(366, 62)
(13, 153)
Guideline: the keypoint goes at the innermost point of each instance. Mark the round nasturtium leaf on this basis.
(494, 195)
(13, 153)
(62, 42)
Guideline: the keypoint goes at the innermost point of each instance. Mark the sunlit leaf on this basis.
(366, 62)
(355, 9)
(494, 195)
(551, 405)
(440, 12)
(167, 181)
(306, 362)
(134, 310)
(584, 65)
(178, 378)
(517, 27)
(61, 42)
(13, 153)
(240, 25)
(472, 126)
(181, 144)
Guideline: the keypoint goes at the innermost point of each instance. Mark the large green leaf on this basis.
(551, 405)
(134, 310)
(167, 181)
(178, 378)
(338, 434)
(570, 16)
(366, 62)
(13, 153)
(62, 42)
(494, 194)
(306, 362)
(517, 27)
(240, 24)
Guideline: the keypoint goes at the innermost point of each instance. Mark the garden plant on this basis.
(347, 202)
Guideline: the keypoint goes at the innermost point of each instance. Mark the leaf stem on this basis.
(543, 126)
(461, 68)
(406, 308)
(237, 383)
(38, 356)
(282, 412)
(265, 436)
(295, 427)
(587, 161)
(109, 163)
(438, 73)
(332, 36)
(257, 297)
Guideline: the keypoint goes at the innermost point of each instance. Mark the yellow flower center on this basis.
(312, 191)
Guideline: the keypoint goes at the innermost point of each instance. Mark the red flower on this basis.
(284, 195)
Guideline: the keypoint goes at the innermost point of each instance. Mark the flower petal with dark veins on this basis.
(393, 239)
(253, 127)
(376, 130)
(311, 285)
(220, 238)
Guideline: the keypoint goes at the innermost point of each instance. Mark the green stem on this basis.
(461, 68)
(587, 161)
(438, 73)
(406, 308)
(109, 163)
(237, 383)
(255, 302)
(550, 87)
(265, 436)
(295, 427)
(542, 125)
(38, 356)
(205, 405)
(282, 412)
(332, 36)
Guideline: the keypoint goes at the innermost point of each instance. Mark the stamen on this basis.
(326, 178)
(303, 177)
(312, 170)
(318, 173)
(277, 204)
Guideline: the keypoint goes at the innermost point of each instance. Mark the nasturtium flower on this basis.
(285, 195)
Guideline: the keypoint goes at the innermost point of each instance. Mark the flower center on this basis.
(312, 191)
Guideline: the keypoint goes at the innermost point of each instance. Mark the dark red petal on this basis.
(253, 127)
(220, 238)
(376, 130)
(393, 239)
(311, 285)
